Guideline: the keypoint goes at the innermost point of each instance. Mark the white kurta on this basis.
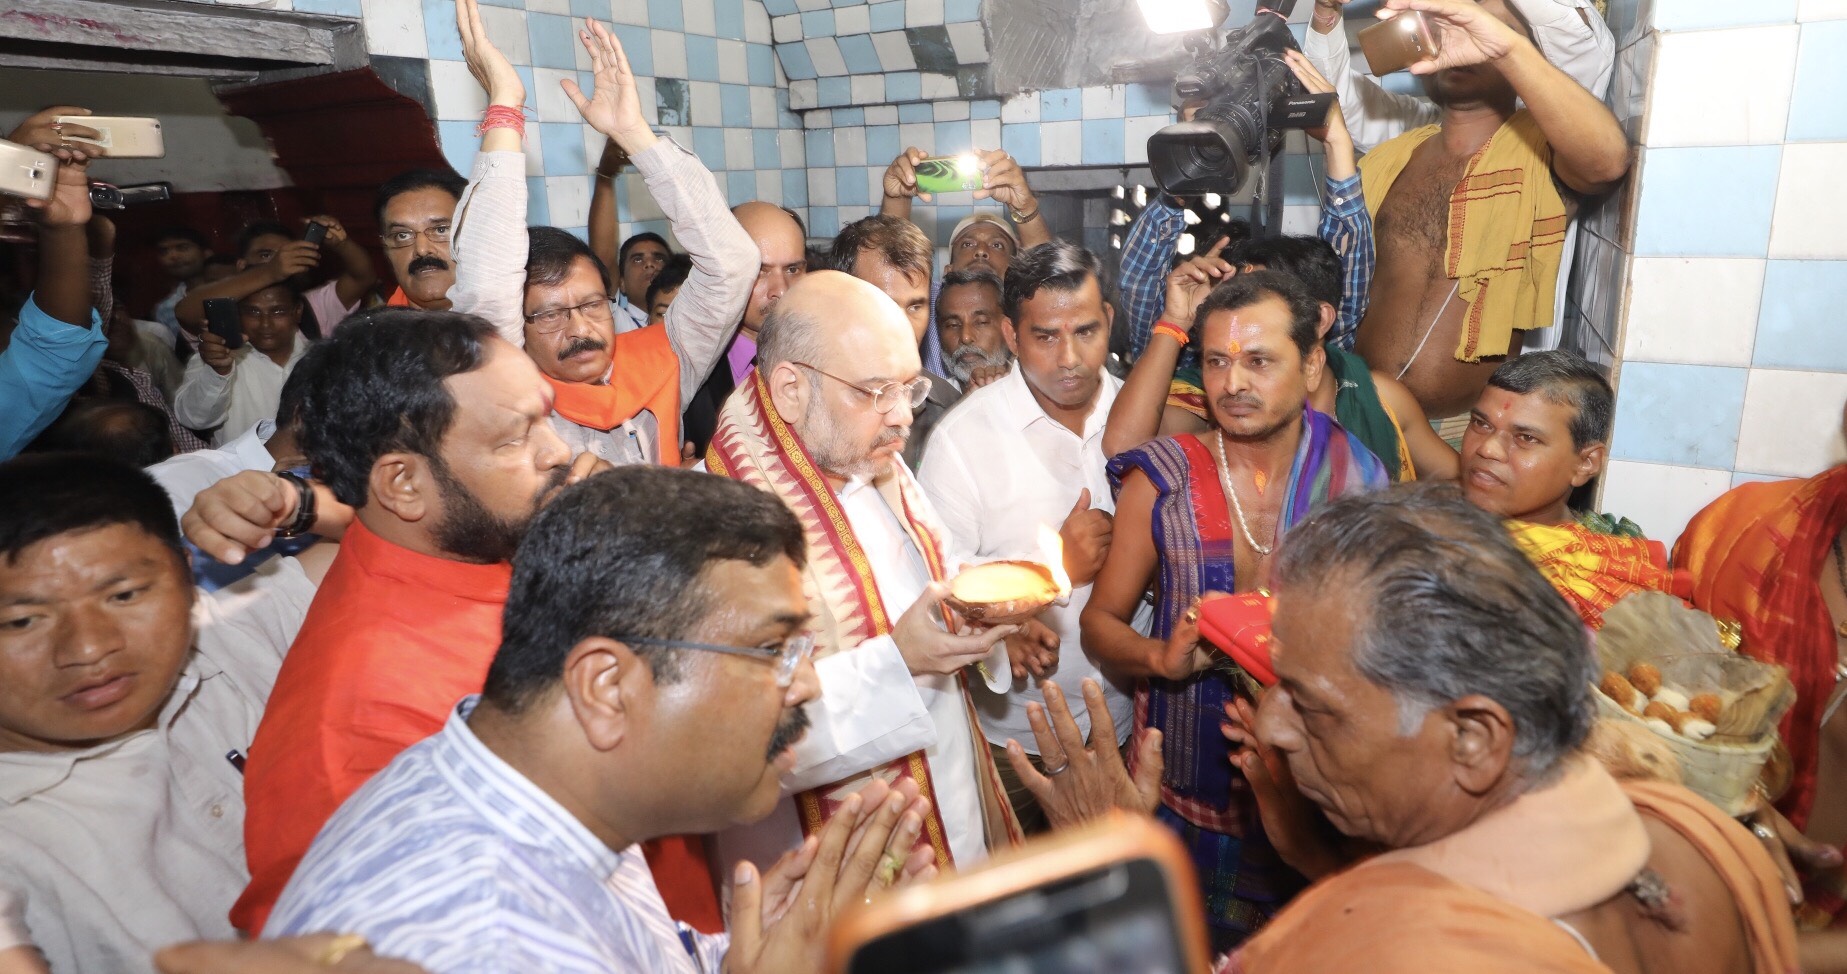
(872, 710)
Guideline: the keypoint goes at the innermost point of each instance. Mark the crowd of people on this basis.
(559, 605)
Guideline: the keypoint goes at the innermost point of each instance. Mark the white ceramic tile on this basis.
(650, 103)
(790, 148)
(804, 94)
(769, 185)
(569, 200)
(669, 54)
(698, 18)
(733, 69)
(1695, 102)
(923, 13)
(1104, 101)
(820, 118)
(881, 114)
(641, 203)
(682, 134)
(740, 149)
(1697, 311)
(1135, 133)
(1792, 422)
(554, 104)
(937, 86)
(1660, 497)
(850, 146)
(811, 4)
(951, 111)
(763, 108)
(634, 12)
(1062, 143)
(593, 145)
(970, 42)
(535, 151)
(917, 135)
(856, 19)
(458, 95)
(894, 51)
(1020, 108)
(1808, 220)
(757, 23)
(1299, 221)
(394, 28)
(552, 7)
(506, 27)
(984, 133)
(868, 89)
(707, 108)
(821, 187)
(825, 53)
(875, 190)
(787, 29)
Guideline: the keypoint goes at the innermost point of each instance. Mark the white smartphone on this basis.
(27, 172)
(120, 136)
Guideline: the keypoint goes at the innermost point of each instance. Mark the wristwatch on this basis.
(303, 521)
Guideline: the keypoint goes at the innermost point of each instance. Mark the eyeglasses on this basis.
(552, 319)
(886, 397)
(437, 233)
(788, 657)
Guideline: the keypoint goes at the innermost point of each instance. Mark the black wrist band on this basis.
(303, 521)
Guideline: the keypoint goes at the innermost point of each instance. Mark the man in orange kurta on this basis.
(407, 620)
(1539, 431)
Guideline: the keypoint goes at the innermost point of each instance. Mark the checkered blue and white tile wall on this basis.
(1734, 367)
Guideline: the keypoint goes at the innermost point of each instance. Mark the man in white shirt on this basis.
(231, 390)
(1025, 454)
(1570, 33)
(642, 256)
(269, 255)
(822, 427)
(127, 700)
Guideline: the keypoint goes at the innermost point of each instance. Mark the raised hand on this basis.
(1184, 654)
(336, 231)
(1082, 780)
(614, 107)
(214, 352)
(1005, 182)
(901, 175)
(1466, 34)
(490, 67)
(43, 132)
(1189, 283)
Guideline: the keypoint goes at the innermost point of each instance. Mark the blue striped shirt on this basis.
(1148, 256)
(452, 859)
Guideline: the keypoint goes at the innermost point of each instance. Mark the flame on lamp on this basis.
(1052, 555)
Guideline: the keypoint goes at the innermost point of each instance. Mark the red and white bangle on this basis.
(1172, 331)
(503, 117)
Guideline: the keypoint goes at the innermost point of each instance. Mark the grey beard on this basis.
(969, 357)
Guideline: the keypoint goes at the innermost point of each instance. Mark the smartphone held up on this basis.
(1396, 44)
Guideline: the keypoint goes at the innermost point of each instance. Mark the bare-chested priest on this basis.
(1471, 212)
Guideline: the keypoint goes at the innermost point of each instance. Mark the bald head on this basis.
(828, 318)
(784, 256)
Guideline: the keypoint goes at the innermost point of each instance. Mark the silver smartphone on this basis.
(121, 136)
(27, 172)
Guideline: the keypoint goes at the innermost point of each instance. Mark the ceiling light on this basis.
(1178, 16)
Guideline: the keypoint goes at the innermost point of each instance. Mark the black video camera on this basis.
(1250, 96)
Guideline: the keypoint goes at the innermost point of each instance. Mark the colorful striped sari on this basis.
(1202, 796)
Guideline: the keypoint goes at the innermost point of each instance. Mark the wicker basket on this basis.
(1723, 774)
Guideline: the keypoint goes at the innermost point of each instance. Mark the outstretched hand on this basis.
(1083, 781)
(614, 107)
(485, 61)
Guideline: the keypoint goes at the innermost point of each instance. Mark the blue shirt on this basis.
(1148, 252)
(453, 860)
(45, 364)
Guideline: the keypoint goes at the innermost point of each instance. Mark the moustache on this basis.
(582, 343)
(788, 731)
(426, 263)
(1227, 402)
(892, 434)
(554, 482)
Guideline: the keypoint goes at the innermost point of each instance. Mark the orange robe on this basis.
(1756, 556)
(1594, 571)
(1482, 898)
(393, 639)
